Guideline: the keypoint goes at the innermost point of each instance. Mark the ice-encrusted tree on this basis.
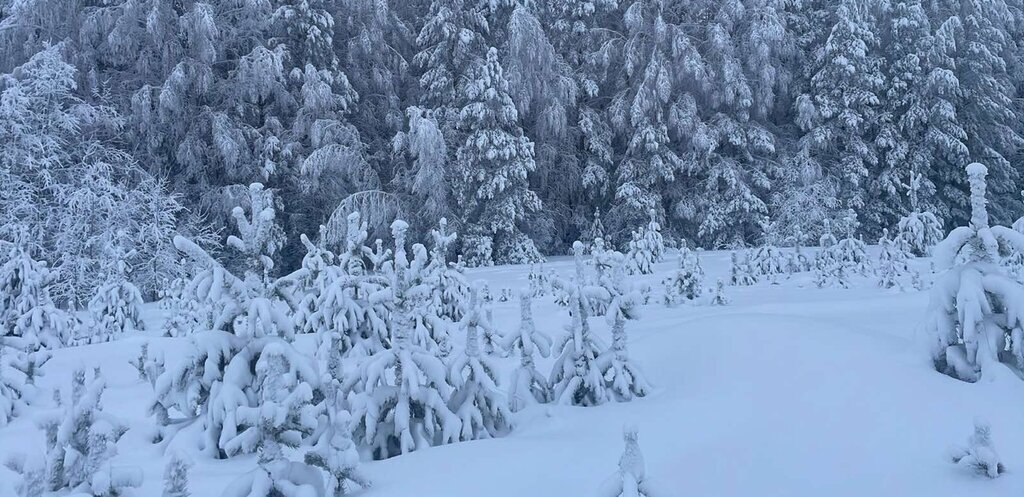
(979, 455)
(919, 230)
(402, 392)
(20, 365)
(81, 439)
(893, 262)
(477, 400)
(116, 309)
(527, 386)
(974, 317)
(493, 163)
(631, 479)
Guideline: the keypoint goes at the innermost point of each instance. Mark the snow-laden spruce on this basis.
(979, 455)
(686, 283)
(920, 231)
(27, 309)
(527, 386)
(116, 309)
(740, 270)
(402, 391)
(718, 296)
(622, 376)
(244, 382)
(974, 314)
(176, 482)
(893, 263)
(631, 478)
(81, 439)
(768, 262)
(478, 400)
(334, 452)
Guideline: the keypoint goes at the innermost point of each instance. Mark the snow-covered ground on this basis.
(788, 391)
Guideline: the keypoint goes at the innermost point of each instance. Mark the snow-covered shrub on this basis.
(477, 400)
(631, 478)
(116, 309)
(719, 297)
(687, 282)
(979, 456)
(176, 477)
(892, 262)
(740, 272)
(622, 376)
(278, 479)
(400, 402)
(797, 261)
(528, 386)
(974, 315)
(81, 438)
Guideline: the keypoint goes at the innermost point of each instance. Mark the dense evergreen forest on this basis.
(736, 122)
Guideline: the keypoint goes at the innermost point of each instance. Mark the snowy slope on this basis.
(788, 391)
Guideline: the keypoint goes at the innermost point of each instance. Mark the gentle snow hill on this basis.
(789, 391)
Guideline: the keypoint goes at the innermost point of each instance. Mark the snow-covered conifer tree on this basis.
(687, 283)
(640, 257)
(631, 479)
(402, 391)
(740, 273)
(176, 477)
(719, 297)
(245, 365)
(595, 230)
(973, 318)
(477, 400)
(652, 235)
(528, 386)
(493, 163)
(920, 231)
(27, 310)
(768, 261)
(116, 308)
(979, 456)
(81, 438)
(335, 453)
(622, 376)
(892, 262)
(450, 289)
(576, 376)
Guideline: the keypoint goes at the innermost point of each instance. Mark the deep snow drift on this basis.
(789, 390)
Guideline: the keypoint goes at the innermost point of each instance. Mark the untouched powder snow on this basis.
(789, 390)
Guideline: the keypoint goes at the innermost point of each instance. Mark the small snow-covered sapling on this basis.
(979, 455)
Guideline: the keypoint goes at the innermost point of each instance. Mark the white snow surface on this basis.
(789, 390)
